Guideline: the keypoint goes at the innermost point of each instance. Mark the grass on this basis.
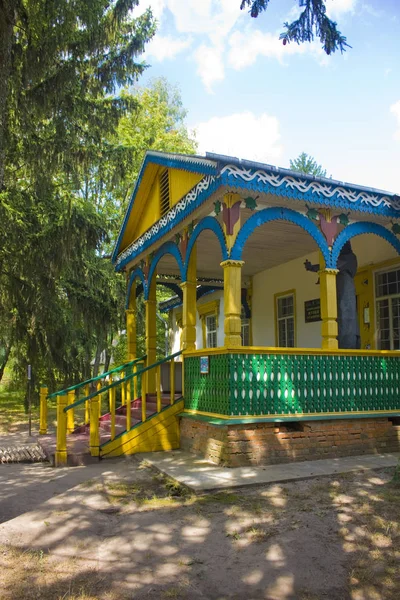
(12, 411)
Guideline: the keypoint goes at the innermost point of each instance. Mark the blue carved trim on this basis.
(206, 223)
(178, 213)
(278, 214)
(137, 273)
(312, 190)
(358, 229)
(173, 161)
(166, 248)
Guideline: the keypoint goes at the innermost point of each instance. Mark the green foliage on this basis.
(70, 150)
(61, 61)
(307, 164)
(312, 23)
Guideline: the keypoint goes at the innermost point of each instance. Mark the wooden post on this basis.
(127, 386)
(232, 302)
(144, 393)
(172, 380)
(60, 457)
(87, 404)
(135, 382)
(112, 411)
(189, 304)
(158, 387)
(43, 410)
(94, 436)
(151, 335)
(327, 278)
(70, 413)
(123, 397)
(130, 315)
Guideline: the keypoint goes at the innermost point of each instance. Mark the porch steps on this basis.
(78, 450)
(160, 432)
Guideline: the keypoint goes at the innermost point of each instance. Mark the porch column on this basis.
(130, 315)
(151, 334)
(232, 302)
(329, 308)
(189, 304)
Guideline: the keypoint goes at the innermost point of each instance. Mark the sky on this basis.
(249, 96)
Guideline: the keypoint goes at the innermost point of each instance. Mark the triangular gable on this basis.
(185, 171)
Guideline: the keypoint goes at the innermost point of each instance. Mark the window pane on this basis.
(282, 333)
(383, 321)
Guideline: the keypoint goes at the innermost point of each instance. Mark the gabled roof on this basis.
(251, 175)
(186, 162)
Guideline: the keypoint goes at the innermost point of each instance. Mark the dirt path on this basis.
(127, 532)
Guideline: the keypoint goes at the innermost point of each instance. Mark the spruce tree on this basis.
(312, 23)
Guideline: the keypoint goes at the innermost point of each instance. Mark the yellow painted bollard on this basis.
(87, 404)
(158, 387)
(123, 397)
(70, 413)
(43, 410)
(94, 432)
(144, 393)
(60, 457)
(112, 411)
(172, 380)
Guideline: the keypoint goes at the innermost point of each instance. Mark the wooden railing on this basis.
(72, 393)
(119, 413)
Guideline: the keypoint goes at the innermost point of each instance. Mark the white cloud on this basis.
(245, 49)
(210, 64)
(164, 47)
(335, 8)
(244, 135)
(395, 109)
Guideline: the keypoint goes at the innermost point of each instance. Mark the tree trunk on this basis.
(7, 21)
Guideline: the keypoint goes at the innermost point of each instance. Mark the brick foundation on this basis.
(270, 443)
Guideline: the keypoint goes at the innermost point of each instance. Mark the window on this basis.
(285, 320)
(245, 330)
(208, 313)
(164, 192)
(387, 293)
(211, 331)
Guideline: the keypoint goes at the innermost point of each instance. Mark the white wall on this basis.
(289, 276)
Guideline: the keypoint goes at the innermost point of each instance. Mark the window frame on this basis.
(277, 297)
(208, 309)
(377, 300)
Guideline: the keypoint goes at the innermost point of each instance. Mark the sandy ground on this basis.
(120, 530)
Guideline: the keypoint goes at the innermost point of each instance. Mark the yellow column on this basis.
(327, 278)
(43, 410)
(130, 314)
(70, 413)
(189, 305)
(60, 457)
(151, 335)
(232, 302)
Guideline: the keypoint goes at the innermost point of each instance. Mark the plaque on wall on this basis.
(312, 310)
(204, 365)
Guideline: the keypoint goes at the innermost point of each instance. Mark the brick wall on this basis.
(270, 443)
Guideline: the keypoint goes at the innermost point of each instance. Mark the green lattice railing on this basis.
(290, 384)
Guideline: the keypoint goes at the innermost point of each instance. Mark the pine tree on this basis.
(312, 23)
(306, 164)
